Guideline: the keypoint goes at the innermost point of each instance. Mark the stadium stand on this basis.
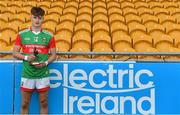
(99, 26)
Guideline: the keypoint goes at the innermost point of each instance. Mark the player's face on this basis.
(37, 20)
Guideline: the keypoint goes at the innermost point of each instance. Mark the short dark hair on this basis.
(37, 11)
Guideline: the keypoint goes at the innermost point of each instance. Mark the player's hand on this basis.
(31, 58)
(40, 65)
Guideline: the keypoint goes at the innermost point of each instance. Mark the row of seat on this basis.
(56, 7)
(99, 26)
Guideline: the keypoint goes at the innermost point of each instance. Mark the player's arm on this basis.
(17, 48)
(52, 55)
(16, 52)
(18, 55)
(52, 49)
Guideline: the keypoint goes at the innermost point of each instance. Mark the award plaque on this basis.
(35, 62)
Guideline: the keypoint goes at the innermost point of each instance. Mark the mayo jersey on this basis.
(42, 42)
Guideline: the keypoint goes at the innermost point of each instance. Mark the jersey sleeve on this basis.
(52, 43)
(18, 40)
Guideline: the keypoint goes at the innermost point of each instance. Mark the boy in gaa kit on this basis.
(36, 43)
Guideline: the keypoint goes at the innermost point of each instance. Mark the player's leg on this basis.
(27, 87)
(43, 86)
(25, 100)
(43, 98)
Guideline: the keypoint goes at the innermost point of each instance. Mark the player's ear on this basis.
(42, 18)
(31, 16)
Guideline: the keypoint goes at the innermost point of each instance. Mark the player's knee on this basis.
(43, 102)
(25, 104)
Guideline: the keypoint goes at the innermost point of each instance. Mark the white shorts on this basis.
(41, 84)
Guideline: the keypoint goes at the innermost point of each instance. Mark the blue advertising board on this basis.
(108, 87)
(6, 87)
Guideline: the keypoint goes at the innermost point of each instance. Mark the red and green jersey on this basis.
(28, 41)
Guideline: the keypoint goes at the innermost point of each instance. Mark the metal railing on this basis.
(117, 53)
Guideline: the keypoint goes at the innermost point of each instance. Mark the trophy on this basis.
(35, 61)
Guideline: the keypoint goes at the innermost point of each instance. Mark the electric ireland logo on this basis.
(105, 89)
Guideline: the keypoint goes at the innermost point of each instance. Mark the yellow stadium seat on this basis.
(3, 24)
(80, 46)
(99, 0)
(84, 17)
(165, 44)
(135, 26)
(111, 1)
(119, 36)
(99, 10)
(168, 4)
(30, 3)
(15, 4)
(83, 25)
(62, 46)
(100, 17)
(85, 10)
(44, 4)
(100, 25)
(132, 18)
(114, 10)
(5, 17)
(3, 3)
(142, 11)
(16, 23)
(22, 16)
(177, 16)
(25, 9)
(173, 10)
(99, 3)
(10, 10)
(128, 10)
(173, 30)
(122, 42)
(82, 35)
(102, 46)
(60, 4)
(153, 26)
(5, 36)
(65, 25)
(12, 25)
(127, 4)
(101, 36)
(3, 47)
(163, 18)
(155, 4)
(71, 10)
(102, 57)
(55, 10)
(176, 33)
(144, 43)
(149, 18)
(72, 4)
(116, 17)
(50, 26)
(140, 4)
(68, 17)
(113, 4)
(25, 26)
(116, 26)
(170, 26)
(63, 35)
(52, 17)
(158, 11)
(85, 4)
